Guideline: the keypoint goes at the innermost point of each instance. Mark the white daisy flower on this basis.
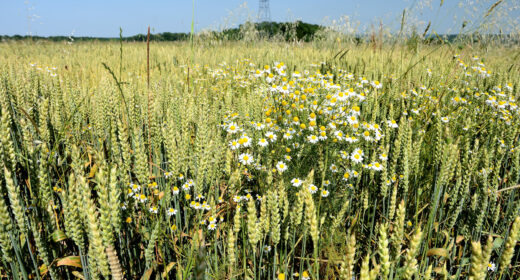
(263, 142)
(135, 187)
(244, 141)
(313, 189)
(324, 193)
(172, 212)
(259, 126)
(245, 159)
(271, 136)
(281, 166)
(392, 124)
(376, 84)
(313, 139)
(376, 166)
(232, 128)
(357, 156)
(296, 182)
(142, 198)
(212, 220)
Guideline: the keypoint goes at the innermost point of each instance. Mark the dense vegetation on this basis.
(259, 160)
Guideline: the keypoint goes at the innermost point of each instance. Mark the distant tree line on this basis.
(165, 36)
(288, 30)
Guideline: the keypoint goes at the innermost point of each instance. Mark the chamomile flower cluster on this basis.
(306, 109)
(51, 70)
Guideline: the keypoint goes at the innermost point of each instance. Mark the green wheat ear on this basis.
(410, 263)
(383, 251)
(475, 272)
(115, 266)
(509, 246)
(231, 250)
(347, 265)
(96, 240)
(149, 252)
(5, 228)
(252, 223)
(398, 234)
(16, 202)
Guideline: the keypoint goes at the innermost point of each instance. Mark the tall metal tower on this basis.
(264, 12)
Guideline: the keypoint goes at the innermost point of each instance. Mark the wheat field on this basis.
(259, 160)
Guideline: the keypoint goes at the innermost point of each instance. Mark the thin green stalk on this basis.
(18, 257)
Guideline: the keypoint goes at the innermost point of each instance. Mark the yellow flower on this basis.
(281, 276)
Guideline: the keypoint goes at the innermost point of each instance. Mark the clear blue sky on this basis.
(104, 17)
